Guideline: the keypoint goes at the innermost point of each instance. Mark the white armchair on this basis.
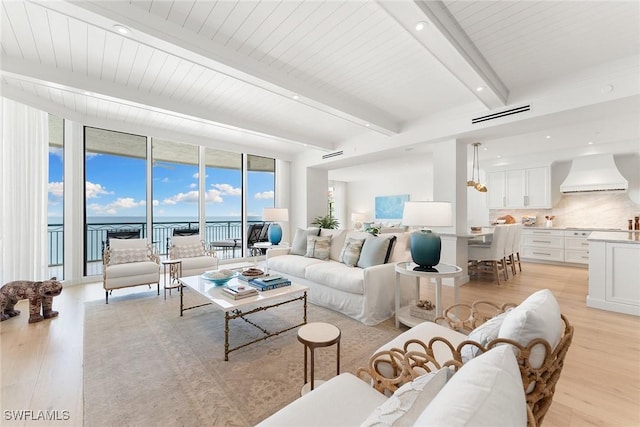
(129, 262)
(196, 256)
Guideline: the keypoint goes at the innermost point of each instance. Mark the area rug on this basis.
(146, 365)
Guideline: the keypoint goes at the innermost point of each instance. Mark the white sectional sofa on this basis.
(364, 291)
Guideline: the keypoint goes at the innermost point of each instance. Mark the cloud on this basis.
(114, 207)
(56, 151)
(189, 197)
(264, 195)
(164, 180)
(156, 202)
(56, 189)
(95, 190)
(193, 185)
(228, 189)
(213, 196)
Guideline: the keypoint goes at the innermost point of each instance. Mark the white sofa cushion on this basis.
(128, 255)
(344, 400)
(128, 243)
(299, 243)
(483, 334)
(486, 391)
(292, 264)
(186, 240)
(407, 403)
(318, 247)
(538, 316)
(401, 250)
(376, 251)
(198, 265)
(351, 251)
(337, 241)
(337, 276)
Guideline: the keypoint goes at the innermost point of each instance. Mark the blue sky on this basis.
(115, 186)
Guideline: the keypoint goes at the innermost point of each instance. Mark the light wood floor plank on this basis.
(41, 364)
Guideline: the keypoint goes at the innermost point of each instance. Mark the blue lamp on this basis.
(425, 243)
(275, 215)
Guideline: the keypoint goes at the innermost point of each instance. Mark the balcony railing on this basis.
(97, 233)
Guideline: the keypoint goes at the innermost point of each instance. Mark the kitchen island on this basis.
(614, 271)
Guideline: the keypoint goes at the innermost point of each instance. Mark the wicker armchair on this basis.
(408, 363)
(129, 262)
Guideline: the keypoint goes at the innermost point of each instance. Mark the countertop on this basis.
(615, 236)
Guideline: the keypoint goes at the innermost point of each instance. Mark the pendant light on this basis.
(476, 169)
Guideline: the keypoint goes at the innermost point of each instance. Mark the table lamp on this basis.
(275, 215)
(425, 244)
(358, 219)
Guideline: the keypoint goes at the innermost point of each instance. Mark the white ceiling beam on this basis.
(80, 84)
(139, 129)
(175, 40)
(443, 37)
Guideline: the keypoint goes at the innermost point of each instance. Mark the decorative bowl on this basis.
(501, 221)
(476, 229)
(219, 277)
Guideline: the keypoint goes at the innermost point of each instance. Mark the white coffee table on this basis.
(234, 309)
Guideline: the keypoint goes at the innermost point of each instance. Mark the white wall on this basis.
(411, 175)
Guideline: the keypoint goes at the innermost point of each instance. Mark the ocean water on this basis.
(218, 228)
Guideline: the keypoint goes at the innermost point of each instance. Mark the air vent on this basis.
(337, 153)
(504, 113)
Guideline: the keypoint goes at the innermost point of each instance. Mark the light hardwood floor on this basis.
(600, 384)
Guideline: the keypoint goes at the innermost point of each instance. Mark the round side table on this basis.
(313, 335)
(175, 272)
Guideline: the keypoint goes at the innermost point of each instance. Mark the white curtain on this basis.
(24, 190)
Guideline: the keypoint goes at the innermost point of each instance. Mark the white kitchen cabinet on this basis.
(614, 269)
(542, 244)
(519, 188)
(576, 246)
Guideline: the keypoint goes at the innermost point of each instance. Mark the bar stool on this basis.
(313, 335)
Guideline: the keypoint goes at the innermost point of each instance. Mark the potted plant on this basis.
(326, 221)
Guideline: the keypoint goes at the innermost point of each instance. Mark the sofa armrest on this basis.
(274, 252)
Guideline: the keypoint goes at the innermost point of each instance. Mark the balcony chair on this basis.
(128, 261)
(197, 257)
(254, 233)
(490, 257)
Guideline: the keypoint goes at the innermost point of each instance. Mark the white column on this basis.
(73, 202)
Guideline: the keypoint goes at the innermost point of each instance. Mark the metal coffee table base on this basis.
(235, 314)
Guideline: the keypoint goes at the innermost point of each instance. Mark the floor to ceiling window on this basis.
(175, 189)
(223, 201)
(261, 183)
(55, 205)
(115, 189)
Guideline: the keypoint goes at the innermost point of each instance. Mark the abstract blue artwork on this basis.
(390, 207)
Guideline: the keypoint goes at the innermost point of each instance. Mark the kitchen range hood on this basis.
(594, 174)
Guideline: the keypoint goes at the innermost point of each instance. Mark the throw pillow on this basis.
(127, 255)
(486, 391)
(407, 403)
(536, 317)
(376, 251)
(299, 243)
(187, 251)
(351, 251)
(318, 247)
(483, 335)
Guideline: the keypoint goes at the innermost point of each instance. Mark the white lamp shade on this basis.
(275, 214)
(358, 217)
(427, 214)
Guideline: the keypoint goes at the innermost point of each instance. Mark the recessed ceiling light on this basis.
(367, 124)
(499, 156)
(296, 97)
(479, 89)
(548, 136)
(485, 149)
(86, 92)
(420, 26)
(590, 143)
(121, 29)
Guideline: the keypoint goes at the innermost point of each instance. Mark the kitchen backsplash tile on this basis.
(593, 210)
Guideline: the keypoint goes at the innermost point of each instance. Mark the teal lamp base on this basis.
(275, 233)
(425, 249)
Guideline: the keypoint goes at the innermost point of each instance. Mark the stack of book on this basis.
(239, 290)
(267, 283)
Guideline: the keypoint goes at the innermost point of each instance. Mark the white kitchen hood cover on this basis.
(594, 173)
